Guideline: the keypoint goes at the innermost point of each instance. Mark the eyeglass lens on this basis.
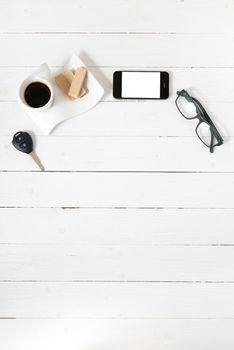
(205, 134)
(186, 107)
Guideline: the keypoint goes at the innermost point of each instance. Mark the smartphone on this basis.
(150, 85)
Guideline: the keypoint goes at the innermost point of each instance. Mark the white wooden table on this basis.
(127, 240)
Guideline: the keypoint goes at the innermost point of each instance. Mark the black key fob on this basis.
(22, 141)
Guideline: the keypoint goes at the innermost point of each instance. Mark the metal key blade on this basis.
(37, 161)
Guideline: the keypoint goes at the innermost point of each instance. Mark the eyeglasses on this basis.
(190, 108)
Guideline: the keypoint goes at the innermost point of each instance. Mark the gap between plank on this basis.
(115, 318)
(128, 67)
(118, 171)
(119, 282)
(117, 208)
(110, 33)
(120, 245)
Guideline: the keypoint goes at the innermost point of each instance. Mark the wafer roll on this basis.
(63, 84)
(69, 76)
(77, 82)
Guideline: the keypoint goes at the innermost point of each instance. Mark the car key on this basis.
(23, 142)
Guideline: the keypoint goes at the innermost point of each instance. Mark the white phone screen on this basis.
(141, 84)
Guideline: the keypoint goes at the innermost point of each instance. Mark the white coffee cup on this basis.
(34, 79)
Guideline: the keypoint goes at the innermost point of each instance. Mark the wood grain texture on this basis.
(116, 190)
(117, 16)
(56, 226)
(117, 300)
(168, 334)
(120, 119)
(153, 50)
(120, 154)
(116, 263)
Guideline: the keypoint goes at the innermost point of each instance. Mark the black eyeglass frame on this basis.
(203, 117)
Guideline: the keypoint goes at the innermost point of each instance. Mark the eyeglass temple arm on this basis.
(212, 142)
(215, 132)
(214, 129)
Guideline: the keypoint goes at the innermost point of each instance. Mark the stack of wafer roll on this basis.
(72, 83)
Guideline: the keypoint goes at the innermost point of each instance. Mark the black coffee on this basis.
(37, 94)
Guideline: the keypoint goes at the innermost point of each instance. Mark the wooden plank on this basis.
(114, 16)
(116, 263)
(56, 226)
(203, 83)
(121, 119)
(117, 333)
(161, 50)
(116, 300)
(116, 190)
(119, 154)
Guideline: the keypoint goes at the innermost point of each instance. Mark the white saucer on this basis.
(63, 108)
